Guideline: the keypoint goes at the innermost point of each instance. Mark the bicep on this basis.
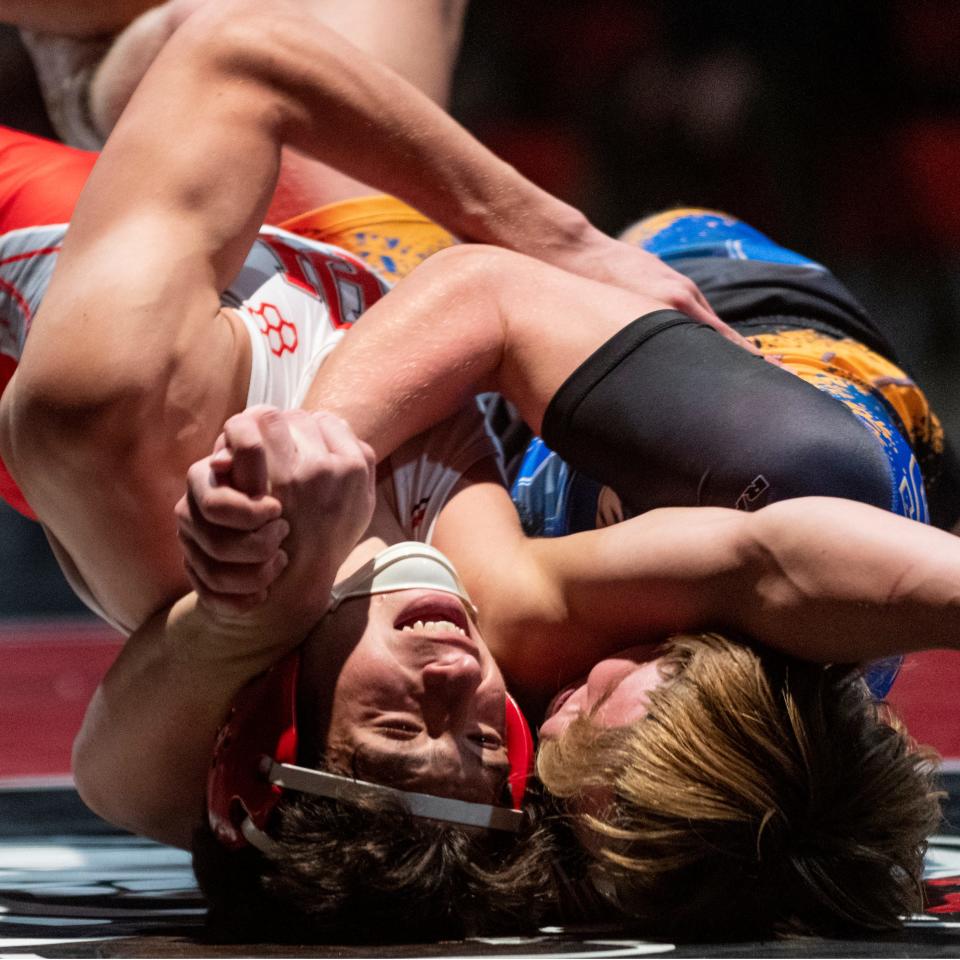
(130, 368)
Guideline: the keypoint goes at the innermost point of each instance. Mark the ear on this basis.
(261, 724)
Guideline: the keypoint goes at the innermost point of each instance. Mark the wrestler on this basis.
(127, 370)
(800, 704)
(47, 382)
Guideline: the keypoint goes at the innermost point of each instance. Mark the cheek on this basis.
(553, 727)
(628, 702)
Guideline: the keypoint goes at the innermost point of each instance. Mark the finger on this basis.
(221, 463)
(280, 447)
(338, 435)
(707, 316)
(209, 500)
(237, 546)
(235, 578)
(249, 471)
(369, 454)
(224, 603)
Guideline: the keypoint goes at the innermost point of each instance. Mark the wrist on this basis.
(524, 218)
(237, 646)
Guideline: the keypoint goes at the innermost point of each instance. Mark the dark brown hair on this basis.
(369, 872)
(759, 796)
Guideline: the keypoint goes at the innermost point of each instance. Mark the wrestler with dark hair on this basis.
(153, 319)
(107, 398)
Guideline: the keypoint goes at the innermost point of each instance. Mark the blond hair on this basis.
(759, 796)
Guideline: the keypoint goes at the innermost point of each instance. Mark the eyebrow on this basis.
(403, 770)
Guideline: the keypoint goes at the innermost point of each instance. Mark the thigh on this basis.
(683, 418)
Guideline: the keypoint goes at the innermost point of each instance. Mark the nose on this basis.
(448, 683)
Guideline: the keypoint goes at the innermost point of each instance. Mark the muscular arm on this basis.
(471, 318)
(823, 579)
(142, 755)
(422, 49)
(116, 388)
(141, 758)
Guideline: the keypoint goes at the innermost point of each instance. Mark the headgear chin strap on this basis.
(254, 760)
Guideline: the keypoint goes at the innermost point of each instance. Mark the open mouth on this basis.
(561, 698)
(439, 617)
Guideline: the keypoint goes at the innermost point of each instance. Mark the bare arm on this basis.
(421, 48)
(839, 581)
(142, 755)
(163, 225)
(823, 579)
(472, 318)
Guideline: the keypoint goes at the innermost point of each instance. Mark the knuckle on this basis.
(224, 579)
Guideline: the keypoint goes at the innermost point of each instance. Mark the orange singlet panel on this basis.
(389, 236)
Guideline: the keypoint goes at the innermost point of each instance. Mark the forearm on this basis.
(827, 580)
(142, 755)
(354, 114)
(840, 581)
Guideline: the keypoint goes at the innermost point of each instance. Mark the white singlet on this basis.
(296, 297)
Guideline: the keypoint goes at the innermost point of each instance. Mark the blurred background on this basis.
(834, 127)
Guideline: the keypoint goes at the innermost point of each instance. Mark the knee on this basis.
(475, 267)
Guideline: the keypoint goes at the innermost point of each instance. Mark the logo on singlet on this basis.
(281, 334)
(748, 500)
(418, 513)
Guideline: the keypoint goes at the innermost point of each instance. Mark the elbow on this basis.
(56, 416)
(124, 801)
(91, 781)
(64, 429)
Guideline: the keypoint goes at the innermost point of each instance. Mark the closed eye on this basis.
(398, 730)
(489, 741)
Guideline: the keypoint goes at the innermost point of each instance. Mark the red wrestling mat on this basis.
(48, 672)
(925, 695)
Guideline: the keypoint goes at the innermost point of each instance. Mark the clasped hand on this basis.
(271, 514)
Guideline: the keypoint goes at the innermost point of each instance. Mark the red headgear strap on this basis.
(262, 723)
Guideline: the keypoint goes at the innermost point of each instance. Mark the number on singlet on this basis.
(344, 283)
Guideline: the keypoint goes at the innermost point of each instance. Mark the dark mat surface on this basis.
(71, 886)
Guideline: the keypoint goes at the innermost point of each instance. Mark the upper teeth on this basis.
(434, 625)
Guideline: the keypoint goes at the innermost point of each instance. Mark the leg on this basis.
(669, 414)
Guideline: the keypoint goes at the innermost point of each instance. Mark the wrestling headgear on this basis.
(254, 759)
